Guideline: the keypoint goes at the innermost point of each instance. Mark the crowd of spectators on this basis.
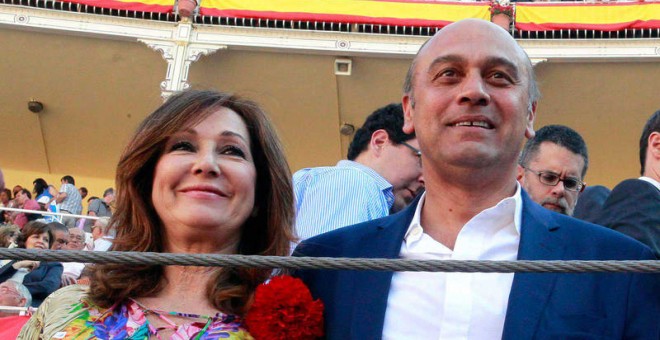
(41, 231)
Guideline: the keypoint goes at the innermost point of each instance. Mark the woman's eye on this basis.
(182, 146)
(232, 151)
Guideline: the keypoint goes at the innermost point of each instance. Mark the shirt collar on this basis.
(413, 233)
(651, 180)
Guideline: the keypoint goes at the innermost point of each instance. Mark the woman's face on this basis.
(11, 237)
(3, 197)
(37, 241)
(205, 179)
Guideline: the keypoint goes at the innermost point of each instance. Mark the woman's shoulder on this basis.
(56, 312)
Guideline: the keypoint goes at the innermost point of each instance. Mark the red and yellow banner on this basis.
(380, 12)
(532, 16)
(155, 6)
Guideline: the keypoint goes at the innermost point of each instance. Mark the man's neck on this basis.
(451, 201)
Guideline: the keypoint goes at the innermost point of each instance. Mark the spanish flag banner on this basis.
(154, 6)
(431, 13)
(615, 16)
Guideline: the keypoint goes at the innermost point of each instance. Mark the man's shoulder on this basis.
(634, 186)
(343, 241)
(595, 240)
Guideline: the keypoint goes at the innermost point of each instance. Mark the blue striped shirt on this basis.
(328, 198)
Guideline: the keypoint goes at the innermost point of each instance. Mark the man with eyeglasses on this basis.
(383, 174)
(551, 168)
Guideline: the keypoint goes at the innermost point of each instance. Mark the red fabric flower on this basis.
(284, 309)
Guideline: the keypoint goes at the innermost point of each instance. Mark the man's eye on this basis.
(570, 183)
(232, 151)
(549, 177)
(182, 146)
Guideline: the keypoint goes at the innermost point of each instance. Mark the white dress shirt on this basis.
(425, 305)
(651, 180)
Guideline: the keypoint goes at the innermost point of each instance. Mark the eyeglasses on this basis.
(417, 152)
(550, 178)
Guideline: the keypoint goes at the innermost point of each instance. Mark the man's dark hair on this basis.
(27, 192)
(69, 180)
(388, 118)
(55, 226)
(557, 134)
(652, 125)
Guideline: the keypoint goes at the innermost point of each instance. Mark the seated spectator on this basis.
(40, 278)
(23, 218)
(8, 235)
(61, 235)
(5, 197)
(73, 270)
(102, 235)
(13, 294)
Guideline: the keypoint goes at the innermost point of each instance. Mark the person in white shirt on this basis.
(470, 97)
(102, 235)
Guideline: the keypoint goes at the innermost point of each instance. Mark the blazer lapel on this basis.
(530, 292)
(371, 288)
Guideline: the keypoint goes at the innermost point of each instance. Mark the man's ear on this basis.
(22, 301)
(531, 115)
(379, 139)
(408, 103)
(520, 174)
(654, 145)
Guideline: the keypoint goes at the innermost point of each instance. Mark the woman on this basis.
(41, 189)
(40, 278)
(204, 173)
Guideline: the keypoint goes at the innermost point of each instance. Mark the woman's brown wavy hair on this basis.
(266, 232)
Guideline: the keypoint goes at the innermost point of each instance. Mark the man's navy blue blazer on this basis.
(541, 305)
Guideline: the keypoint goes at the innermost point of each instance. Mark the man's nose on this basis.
(473, 90)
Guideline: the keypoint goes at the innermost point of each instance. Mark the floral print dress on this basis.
(67, 317)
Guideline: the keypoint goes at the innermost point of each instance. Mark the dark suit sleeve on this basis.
(40, 286)
(633, 208)
(643, 310)
(7, 271)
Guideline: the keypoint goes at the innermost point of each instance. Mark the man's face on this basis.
(9, 296)
(559, 160)
(76, 239)
(61, 240)
(470, 104)
(109, 198)
(406, 176)
(21, 198)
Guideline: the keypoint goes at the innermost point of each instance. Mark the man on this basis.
(552, 167)
(13, 294)
(83, 192)
(100, 208)
(72, 270)
(102, 236)
(633, 206)
(23, 199)
(69, 200)
(470, 97)
(383, 172)
(60, 234)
